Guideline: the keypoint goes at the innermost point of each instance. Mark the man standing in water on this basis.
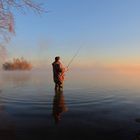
(58, 73)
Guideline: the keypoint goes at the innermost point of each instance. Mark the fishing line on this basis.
(74, 56)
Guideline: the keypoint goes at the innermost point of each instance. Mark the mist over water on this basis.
(92, 105)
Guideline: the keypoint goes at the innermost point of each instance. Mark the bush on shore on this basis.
(17, 64)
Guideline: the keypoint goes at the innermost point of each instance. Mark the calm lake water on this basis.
(93, 105)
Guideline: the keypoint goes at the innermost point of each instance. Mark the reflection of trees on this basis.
(59, 105)
(138, 134)
(7, 127)
(16, 78)
(17, 64)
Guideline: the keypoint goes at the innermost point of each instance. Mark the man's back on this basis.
(56, 71)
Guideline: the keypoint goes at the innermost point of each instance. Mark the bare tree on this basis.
(7, 17)
(7, 29)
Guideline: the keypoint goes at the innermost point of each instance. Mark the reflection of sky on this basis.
(102, 80)
(109, 30)
(73, 79)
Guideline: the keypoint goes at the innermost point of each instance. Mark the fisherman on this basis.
(58, 73)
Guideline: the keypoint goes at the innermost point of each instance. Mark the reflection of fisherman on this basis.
(59, 105)
(58, 73)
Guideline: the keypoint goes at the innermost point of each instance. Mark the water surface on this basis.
(92, 105)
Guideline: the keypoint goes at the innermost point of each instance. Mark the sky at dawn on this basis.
(108, 32)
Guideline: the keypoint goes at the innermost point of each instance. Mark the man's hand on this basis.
(66, 69)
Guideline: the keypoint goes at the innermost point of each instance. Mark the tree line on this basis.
(17, 64)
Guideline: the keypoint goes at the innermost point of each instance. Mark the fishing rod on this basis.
(74, 56)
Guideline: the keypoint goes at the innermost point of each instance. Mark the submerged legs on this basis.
(58, 86)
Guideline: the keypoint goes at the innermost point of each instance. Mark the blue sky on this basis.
(109, 30)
